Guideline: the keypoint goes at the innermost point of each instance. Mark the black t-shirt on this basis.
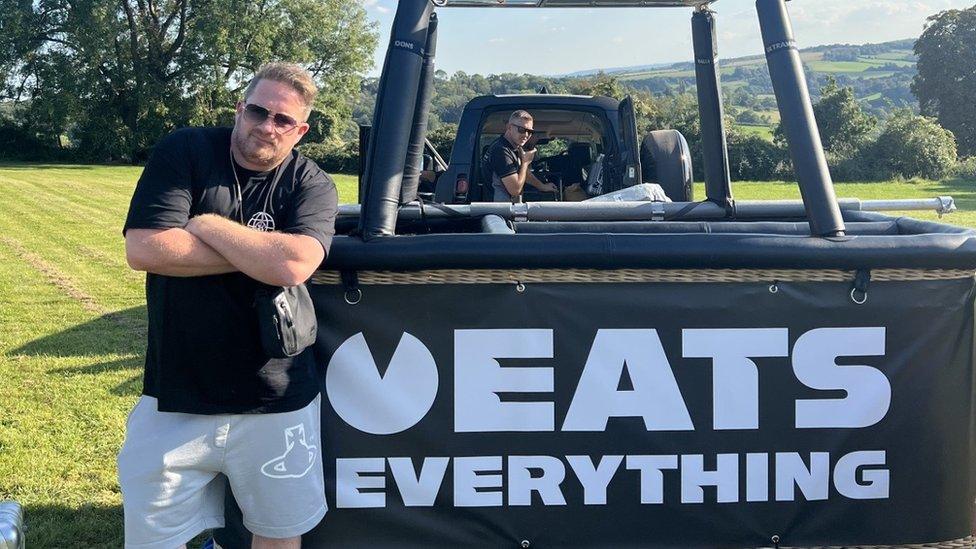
(500, 160)
(204, 352)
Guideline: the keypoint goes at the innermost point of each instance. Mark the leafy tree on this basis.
(602, 84)
(946, 80)
(754, 158)
(333, 155)
(752, 118)
(914, 146)
(844, 127)
(117, 75)
(442, 138)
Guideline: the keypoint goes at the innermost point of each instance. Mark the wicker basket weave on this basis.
(624, 276)
(968, 543)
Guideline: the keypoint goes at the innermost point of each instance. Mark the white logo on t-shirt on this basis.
(262, 221)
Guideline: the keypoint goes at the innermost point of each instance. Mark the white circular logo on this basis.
(387, 404)
(262, 221)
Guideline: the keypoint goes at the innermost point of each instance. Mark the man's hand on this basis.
(195, 225)
(541, 185)
(527, 156)
(277, 259)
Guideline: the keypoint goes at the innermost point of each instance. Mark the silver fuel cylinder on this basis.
(11, 525)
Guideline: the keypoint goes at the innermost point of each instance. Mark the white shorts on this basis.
(172, 471)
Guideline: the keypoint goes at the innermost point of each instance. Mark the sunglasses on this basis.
(522, 129)
(257, 114)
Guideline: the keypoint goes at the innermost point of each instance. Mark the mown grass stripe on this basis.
(68, 286)
(89, 193)
(110, 280)
(76, 205)
(60, 431)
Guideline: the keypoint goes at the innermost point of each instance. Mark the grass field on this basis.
(765, 132)
(71, 346)
(73, 331)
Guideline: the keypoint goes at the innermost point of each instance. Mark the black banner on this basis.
(647, 414)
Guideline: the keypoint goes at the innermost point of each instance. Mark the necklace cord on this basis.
(268, 200)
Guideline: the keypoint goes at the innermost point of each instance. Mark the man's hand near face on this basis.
(516, 182)
(527, 157)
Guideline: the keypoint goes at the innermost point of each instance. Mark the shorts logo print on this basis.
(297, 460)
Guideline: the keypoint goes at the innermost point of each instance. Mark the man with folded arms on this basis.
(218, 214)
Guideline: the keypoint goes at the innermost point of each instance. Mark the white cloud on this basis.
(377, 5)
(868, 17)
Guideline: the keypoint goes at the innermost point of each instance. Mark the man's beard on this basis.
(264, 156)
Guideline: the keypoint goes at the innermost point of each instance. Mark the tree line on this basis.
(102, 81)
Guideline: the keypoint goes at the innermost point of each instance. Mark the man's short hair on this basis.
(290, 74)
(520, 115)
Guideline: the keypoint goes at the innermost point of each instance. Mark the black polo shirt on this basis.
(500, 160)
(204, 351)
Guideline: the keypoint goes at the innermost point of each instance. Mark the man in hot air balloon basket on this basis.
(217, 215)
(507, 161)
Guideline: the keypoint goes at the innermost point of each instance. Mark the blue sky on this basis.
(558, 41)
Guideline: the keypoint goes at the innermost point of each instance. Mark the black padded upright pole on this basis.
(415, 151)
(718, 181)
(799, 124)
(396, 101)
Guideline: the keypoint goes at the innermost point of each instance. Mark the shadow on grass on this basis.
(88, 526)
(962, 190)
(119, 332)
(116, 333)
(130, 387)
(73, 527)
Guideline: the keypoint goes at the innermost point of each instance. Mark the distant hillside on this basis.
(616, 70)
(880, 74)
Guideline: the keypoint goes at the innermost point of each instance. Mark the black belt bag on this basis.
(286, 319)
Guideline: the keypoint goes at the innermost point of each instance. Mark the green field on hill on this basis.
(879, 74)
(865, 66)
(71, 347)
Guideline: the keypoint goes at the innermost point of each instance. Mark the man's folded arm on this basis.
(173, 252)
(278, 259)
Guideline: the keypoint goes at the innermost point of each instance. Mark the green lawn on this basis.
(840, 66)
(964, 193)
(897, 55)
(766, 132)
(71, 346)
(73, 331)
